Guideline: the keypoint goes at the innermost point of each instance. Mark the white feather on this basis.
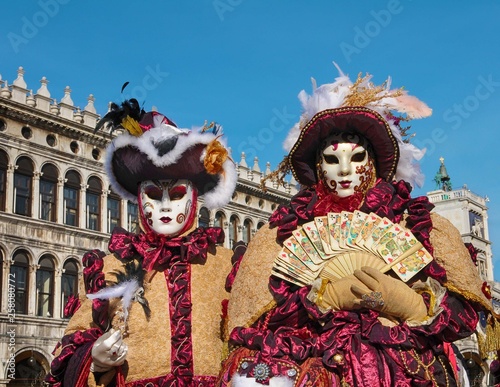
(124, 290)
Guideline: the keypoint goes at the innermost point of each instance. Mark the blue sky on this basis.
(243, 62)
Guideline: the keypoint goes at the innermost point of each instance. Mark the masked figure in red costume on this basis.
(292, 325)
(150, 311)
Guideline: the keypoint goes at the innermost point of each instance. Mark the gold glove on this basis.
(388, 295)
(338, 295)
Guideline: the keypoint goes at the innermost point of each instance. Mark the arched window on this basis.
(132, 218)
(233, 230)
(247, 230)
(71, 198)
(204, 217)
(259, 225)
(219, 219)
(23, 178)
(114, 213)
(93, 196)
(48, 193)
(45, 287)
(69, 282)
(19, 271)
(4, 162)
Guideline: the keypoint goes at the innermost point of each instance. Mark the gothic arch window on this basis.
(19, 273)
(204, 217)
(132, 217)
(247, 230)
(259, 225)
(69, 282)
(23, 185)
(48, 192)
(45, 287)
(233, 230)
(4, 162)
(71, 198)
(114, 211)
(93, 198)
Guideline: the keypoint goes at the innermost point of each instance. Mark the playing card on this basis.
(322, 226)
(312, 233)
(307, 245)
(358, 219)
(334, 230)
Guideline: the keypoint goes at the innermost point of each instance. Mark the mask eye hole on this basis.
(358, 157)
(177, 193)
(330, 159)
(153, 192)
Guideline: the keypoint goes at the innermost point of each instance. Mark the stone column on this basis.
(82, 207)
(36, 199)
(60, 201)
(32, 290)
(104, 216)
(58, 300)
(9, 189)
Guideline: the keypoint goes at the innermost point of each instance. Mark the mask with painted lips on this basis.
(167, 206)
(345, 164)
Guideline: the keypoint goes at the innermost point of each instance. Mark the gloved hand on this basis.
(388, 295)
(108, 351)
(338, 295)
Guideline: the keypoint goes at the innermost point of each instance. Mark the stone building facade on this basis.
(56, 204)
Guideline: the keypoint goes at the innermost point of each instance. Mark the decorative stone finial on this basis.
(243, 162)
(90, 105)
(256, 167)
(268, 168)
(43, 90)
(67, 96)
(30, 100)
(20, 82)
(5, 91)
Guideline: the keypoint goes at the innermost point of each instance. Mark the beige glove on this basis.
(108, 351)
(388, 295)
(338, 295)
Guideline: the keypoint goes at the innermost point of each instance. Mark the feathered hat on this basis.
(363, 108)
(153, 148)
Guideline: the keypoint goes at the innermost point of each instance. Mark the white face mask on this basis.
(167, 205)
(345, 164)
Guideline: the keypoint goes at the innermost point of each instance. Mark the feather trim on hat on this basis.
(382, 99)
(182, 141)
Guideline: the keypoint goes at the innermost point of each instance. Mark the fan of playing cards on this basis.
(333, 246)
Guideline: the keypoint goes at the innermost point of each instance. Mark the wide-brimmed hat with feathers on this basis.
(152, 147)
(374, 112)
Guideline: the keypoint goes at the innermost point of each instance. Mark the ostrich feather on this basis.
(412, 106)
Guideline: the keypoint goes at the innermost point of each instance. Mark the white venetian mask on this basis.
(166, 205)
(345, 164)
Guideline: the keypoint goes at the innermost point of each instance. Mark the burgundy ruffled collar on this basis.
(158, 251)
